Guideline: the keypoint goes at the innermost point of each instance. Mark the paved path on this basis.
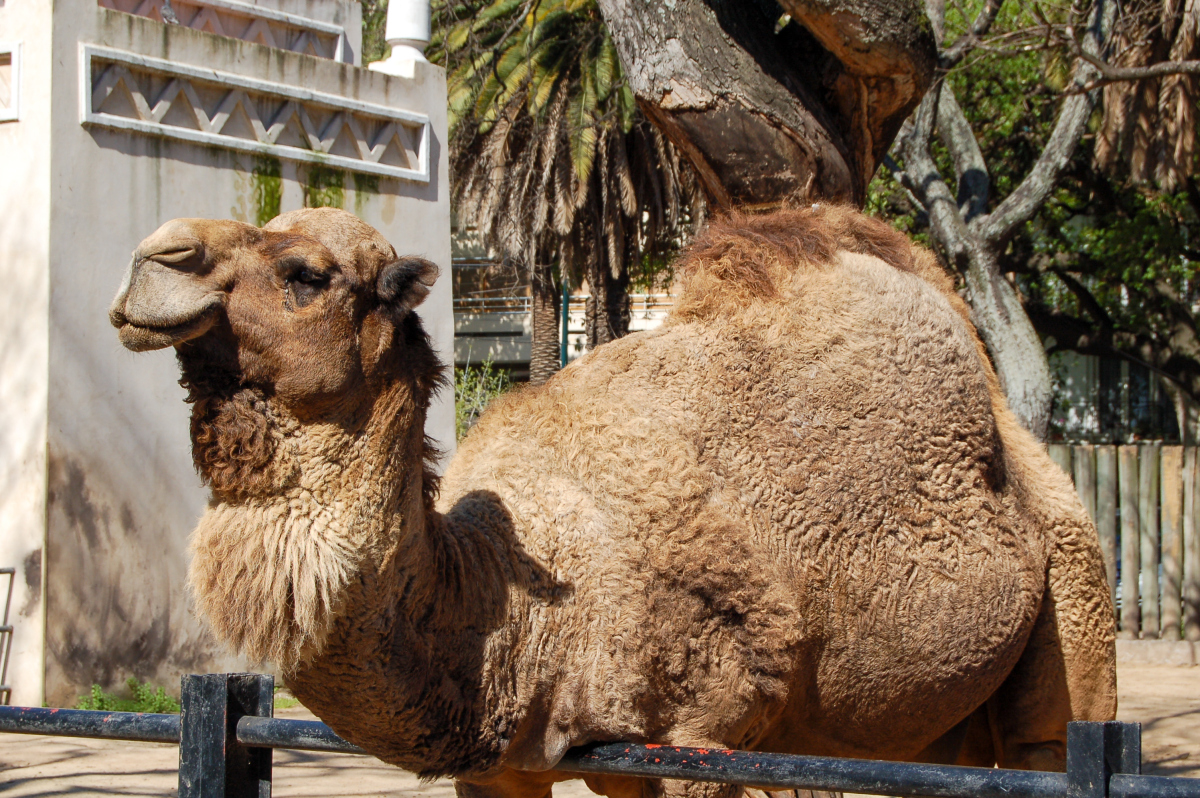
(1165, 699)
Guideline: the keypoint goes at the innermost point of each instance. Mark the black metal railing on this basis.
(226, 732)
(6, 636)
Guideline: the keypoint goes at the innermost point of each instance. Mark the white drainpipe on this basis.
(407, 33)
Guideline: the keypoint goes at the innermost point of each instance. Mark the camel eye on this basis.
(304, 285)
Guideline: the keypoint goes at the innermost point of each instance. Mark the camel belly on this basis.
(908, 646)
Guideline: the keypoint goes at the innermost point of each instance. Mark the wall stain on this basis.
(365, 186)
(268, 189)
(113, 590)
(68, 491)
(32, 568)
(324, 187)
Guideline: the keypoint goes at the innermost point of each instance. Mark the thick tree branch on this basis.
(922, 178)
(970, 168)
(1019, 206)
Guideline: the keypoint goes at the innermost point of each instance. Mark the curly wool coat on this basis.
(798, 517)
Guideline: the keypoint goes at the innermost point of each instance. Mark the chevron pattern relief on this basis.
(246, 22)
(10, 81)
(171, 100)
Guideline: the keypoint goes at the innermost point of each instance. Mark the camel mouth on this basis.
(140, 338)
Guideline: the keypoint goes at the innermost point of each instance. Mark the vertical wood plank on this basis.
(1171, 501)
(1084, 460)
(1106, 513)
(1149, 456)
(1060, 453)
(1128, 567)
(1148, 490)
(1191, 545)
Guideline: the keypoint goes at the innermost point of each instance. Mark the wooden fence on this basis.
(1145, 501)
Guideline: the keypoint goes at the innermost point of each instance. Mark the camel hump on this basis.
(741, 258)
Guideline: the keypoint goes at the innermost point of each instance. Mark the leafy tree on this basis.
(1103, 262)
(374, 21)
(551, 159)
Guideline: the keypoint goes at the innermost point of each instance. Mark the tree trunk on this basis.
(1015, 346)
(606, 314)
(544, 353)
(766, 116)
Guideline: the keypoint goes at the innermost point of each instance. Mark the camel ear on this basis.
(404, 284)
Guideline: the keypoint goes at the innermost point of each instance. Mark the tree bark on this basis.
(765, 117)
(544, 353)
(1011, 339)
(606, 313)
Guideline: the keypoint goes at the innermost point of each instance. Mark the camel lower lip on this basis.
(145, 339)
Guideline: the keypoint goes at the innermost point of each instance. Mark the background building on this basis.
(115, 122)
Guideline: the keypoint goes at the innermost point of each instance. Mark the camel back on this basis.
(740, 258)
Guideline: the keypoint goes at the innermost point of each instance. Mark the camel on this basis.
(798, 517)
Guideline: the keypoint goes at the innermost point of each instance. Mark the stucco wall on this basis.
(24, 240)
(122, 494)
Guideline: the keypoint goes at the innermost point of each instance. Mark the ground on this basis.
(1164, 698)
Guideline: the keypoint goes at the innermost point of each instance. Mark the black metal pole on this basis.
(1096, 752)
(131, 726)
(212, 763)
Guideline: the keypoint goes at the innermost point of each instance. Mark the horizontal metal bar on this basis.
(6, 628)
(785, 771)
(137, 726)
(301, 735)
(754, 769)
(8, 570)
(1129, 786)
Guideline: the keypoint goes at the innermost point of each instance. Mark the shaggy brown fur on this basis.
(798, 517)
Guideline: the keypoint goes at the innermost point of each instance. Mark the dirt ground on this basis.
(1165, 699)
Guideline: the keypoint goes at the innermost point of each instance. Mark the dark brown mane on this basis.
(741, 257)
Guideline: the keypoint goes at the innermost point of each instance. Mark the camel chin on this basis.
(147, 339)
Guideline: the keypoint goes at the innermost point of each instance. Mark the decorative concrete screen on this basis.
(250, 23)
(161, 98)
(10, 81)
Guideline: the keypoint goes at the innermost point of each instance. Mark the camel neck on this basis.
(374, 606)
(402, 672)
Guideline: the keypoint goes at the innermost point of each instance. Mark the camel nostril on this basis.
(187, 255)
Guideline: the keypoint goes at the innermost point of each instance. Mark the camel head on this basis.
(309, 318)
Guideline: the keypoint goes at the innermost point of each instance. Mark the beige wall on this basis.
(24, 240)
(122, 496)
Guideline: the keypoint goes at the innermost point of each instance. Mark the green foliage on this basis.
(374, 20)
(474, 389)
(887, 200)
(506, 51)
(654, 272)
(1131, 249)
(144, 698)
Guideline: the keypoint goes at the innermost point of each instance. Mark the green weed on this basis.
(145, 699)
(474, 388)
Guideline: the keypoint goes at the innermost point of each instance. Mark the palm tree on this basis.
(551, 159)
(1149, 126)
